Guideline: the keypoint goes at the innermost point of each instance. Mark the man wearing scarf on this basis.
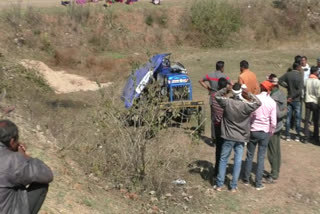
(263, 125)
(235, 130)
(311, 95)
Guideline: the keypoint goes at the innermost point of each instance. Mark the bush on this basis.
(149, 20)
(214, 20)
(131, 148)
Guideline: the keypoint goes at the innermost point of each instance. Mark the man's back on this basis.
(265, 117)
(312, 90)
(293, 81)
(213, 78)
(236, 117)
(249, 78)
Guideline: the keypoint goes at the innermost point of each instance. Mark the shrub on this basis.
(149, 20)
(214, 20)
(130, 147)
(80, 14)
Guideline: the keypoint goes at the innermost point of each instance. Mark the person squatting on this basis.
(246, 113)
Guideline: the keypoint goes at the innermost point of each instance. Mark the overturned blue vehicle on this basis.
(175, 86)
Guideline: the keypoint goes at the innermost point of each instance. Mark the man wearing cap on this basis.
(235, 130)
(274, 150)
(248, 78)
(263, 125)
(293, 82)
(311, 99)
(212, 78)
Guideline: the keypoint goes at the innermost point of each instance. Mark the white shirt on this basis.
(306, 72)
(312, 90)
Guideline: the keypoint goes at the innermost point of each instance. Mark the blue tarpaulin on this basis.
(140, 78)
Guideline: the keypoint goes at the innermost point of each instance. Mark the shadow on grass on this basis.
(206, 171)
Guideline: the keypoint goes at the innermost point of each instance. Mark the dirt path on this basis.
(60, 81)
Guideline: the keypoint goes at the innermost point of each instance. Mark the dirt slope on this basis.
(72, 191)
(62, 82)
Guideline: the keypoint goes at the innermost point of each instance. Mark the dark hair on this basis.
(8, 131)
(244, 64)
(219, 65)
(236, 86)
(271, 76)
(222, 83)
(304, 57)
(297, 59)
(295, 66)
(313, 70)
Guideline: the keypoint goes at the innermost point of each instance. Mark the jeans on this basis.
(262, 139)
(296, 107)
(227, 147)
(312, 107)
(36, 195)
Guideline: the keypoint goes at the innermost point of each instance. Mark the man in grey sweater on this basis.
(23, 180)
(293, 82)
(235, 130)
(274, 149)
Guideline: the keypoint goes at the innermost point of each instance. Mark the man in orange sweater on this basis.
(248, 78)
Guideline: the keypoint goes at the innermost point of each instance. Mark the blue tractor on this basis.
(175, 86)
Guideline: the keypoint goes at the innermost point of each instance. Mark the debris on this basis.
(91, 175)
(168, 195)
(155, 208)
(108, 187)
(179, 182)
(153, 199)
(119, 186)
(184, 194)
(133, 196)
(123, 190)
(152, 192)
(185, 207)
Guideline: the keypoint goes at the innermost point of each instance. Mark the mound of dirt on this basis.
(61, 81)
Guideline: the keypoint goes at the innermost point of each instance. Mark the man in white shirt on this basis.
(306, 68)
(311, 98)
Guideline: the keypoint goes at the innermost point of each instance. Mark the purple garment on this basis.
(81, 1)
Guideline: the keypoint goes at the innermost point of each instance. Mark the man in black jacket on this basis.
(23, 180)
(293, 82)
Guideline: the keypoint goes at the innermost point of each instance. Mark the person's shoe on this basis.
(216, 188)
(234, 190)
(269, 180)
(297, 139)
(288, 138)
(261, 187)
(246, 183)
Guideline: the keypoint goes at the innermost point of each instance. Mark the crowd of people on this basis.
(248, 114)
